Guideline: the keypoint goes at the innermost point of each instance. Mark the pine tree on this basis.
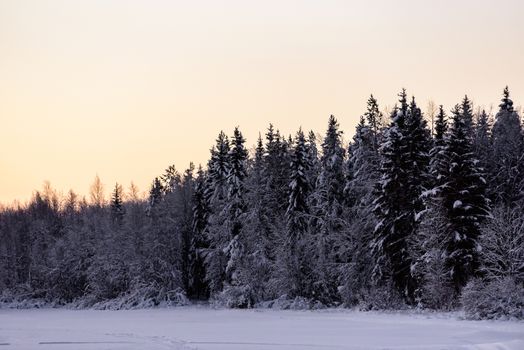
(463, 198)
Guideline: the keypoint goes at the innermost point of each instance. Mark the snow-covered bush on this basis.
(284, 302)
(382, 297)
(236, 297)
(500, 298)
(22, 299)
(146, 296)
(436, 290)
(502, 242)
(500, 293)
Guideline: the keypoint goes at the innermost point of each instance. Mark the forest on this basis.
(417, 211)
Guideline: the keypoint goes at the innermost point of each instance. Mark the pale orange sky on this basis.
(125, 88)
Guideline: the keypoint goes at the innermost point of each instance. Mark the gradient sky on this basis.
(123, 89)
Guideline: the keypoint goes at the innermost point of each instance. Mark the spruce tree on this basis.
(257, 232)
(362, 172)
(170, 179)
(404, 162)
(297, 243)
(328, 206)
(117, 205)
(298, 190)
(198, 287)
(276, 171)
(482, 146)
(155, 193)
(217, 231)
(236, 205)
(463, 198)
(374, 119)
(313, 159)
(507, 173)
(434, 289)
(437, 154)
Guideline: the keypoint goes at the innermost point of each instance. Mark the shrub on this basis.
(496, 299)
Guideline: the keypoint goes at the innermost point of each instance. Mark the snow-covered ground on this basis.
(205, 328)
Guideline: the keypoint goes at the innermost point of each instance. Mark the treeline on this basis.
(406, 215)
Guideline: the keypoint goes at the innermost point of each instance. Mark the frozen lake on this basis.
(209, 329)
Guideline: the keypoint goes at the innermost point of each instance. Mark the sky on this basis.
(123, 89)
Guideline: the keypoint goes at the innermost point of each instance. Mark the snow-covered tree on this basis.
(198, 287)
(502, 241)
(299, 188)
(398, 203)
(236, 205)
(117, 205)
(435, 287)
(362, 173)
(507, 172)
(313, 159)
(482, 146)
(374, 119)
(438, 161)
(217, 230)
(155, 193)
(295, 279)
(328, 199)
(463, 197)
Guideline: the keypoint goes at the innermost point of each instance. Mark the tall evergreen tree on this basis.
(362, 173)
(258, 239)
(298, 190)
(155, 193)
(328, 206)
(313, 159)
(482, 146)
(404, 162)
(170, 179)
(297, 242)
(438, 163)
(374, 119)
(217, 230)
(236, 205)
(507, 172)
(463, 197)
(198, 287)
(276, 171)
(117, 205)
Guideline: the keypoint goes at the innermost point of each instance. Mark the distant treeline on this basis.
(407, 215)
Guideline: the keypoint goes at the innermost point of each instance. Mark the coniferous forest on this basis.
(416, 212)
